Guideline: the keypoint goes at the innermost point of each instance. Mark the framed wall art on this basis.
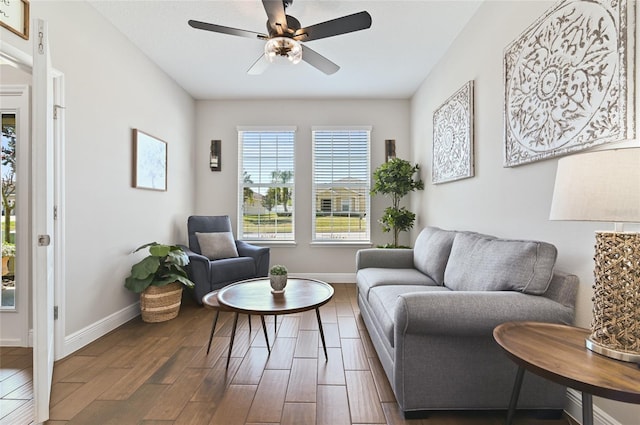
(14, 16)
(453, 137)
(149, 162)
(569, 81)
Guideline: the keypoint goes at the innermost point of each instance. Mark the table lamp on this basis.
(605, 186)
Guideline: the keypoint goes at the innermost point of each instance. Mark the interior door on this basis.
(43, 225)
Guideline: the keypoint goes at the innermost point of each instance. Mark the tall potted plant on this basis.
(158, 278)
(395, 179)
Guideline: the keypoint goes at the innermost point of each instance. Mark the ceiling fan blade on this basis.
(259, 66)
(350, 23)
(226, 30)
(276, 15)
(318, 61)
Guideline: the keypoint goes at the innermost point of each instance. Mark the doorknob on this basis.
(44, 240)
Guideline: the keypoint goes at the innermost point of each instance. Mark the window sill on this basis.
(271, 243)
(346, 244)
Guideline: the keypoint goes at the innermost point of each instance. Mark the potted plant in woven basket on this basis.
(158, 278)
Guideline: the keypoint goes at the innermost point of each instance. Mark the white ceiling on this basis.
(389, 60)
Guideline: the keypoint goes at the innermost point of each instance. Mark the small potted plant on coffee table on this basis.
(158, 278)
(278, 278)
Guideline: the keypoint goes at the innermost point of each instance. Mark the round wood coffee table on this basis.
(254, 296)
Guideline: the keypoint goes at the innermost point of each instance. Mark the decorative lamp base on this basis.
(615, 329)
(625, 356)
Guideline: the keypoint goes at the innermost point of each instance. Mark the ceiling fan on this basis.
(285, 34)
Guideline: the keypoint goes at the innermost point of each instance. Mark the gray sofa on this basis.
(430, 312)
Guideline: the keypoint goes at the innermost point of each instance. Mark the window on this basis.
(341, 176)
(266, 183)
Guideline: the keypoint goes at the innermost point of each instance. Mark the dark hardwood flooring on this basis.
(159, 374)
(16, 386)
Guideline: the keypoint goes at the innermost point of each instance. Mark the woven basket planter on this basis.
(160, 303)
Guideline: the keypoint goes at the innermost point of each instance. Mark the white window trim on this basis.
(266, 128)
(342, 128)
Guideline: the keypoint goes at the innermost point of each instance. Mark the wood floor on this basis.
(16, 390)
(159, 374)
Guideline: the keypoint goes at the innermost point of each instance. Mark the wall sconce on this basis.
(215, 158)
(389, 149)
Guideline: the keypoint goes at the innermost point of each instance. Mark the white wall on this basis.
(216, 192)
(507, 202)
(111, 88)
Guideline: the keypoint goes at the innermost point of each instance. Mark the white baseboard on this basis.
(329, 277)
(574, 409)
(79, 339)
(11, 342)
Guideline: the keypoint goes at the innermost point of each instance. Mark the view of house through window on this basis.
(8, 295)
(267, 177)
(341, 176)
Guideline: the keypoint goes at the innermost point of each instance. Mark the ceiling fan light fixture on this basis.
(285, 47)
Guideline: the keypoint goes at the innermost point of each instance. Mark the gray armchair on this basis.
(217, 259)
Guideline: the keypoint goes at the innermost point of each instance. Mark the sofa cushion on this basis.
(217, 245)
(371, 277)
(383, 299)
(478, 263)
(431, 252)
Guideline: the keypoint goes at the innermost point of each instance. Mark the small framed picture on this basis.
(149, 162)
(14, 16)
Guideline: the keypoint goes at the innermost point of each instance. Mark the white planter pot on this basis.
(278, 283)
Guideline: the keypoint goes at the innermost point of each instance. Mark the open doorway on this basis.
(15, 297)
(16, 373)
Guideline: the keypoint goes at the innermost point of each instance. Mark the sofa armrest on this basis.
(260, 255)
(198, 265)
(198, 272)
(467, 313)
(397, 258)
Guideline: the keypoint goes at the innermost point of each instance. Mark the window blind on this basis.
(341, 182)
(267, 181)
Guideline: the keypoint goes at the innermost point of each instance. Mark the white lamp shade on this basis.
(598, 186)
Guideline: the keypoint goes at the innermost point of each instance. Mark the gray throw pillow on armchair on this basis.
(217, 245)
